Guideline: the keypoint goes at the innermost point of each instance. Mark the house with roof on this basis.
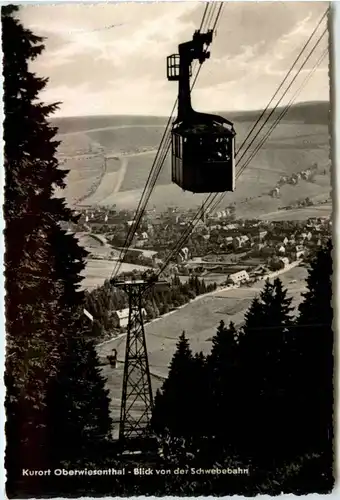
(122, 316)
(238, 277)
(284, 262)
(240, 241)
(299, 252)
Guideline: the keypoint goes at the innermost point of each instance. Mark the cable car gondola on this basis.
(203, 145)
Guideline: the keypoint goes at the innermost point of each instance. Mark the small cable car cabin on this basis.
(203, 145)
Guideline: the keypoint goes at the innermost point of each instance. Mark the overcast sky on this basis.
(122, 70)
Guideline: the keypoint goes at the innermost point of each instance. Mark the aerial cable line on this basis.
(140, 211)
(208, 6)
(282, 83)
(153, 174)
(210, 199)
(284, 94)
(192, 224)
(278, 119)
(218, 15)
(204, 15)
(131, 230)
(286, 109)
(213, 29)
(211, 14)
(268, 133)
(134, 226)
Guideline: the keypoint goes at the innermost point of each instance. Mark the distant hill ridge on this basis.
(316, 112)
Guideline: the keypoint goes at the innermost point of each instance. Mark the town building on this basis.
(240, 241)
(284, 261)
(183, 254)
(299, 254)
(238, 277)
(122, 316)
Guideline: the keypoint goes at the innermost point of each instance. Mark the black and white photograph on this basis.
(168, 260)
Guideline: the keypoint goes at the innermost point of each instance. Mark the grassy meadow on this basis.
(298, 142)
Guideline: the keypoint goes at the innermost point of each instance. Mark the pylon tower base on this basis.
(137, 400)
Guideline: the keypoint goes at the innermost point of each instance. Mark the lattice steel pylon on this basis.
(137, 401)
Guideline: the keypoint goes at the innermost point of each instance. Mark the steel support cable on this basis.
(139, 211)
(210, 15)
(192, 224)
(142, 204)
(282, 83)
(202, 26)
(222, 195)
(132, 229)
(285, 92)
(174, 107)
(280, 100)
(206, 27)
(285, 110)
(278, 119)
(204, 16)
(213, 28)
(154, 173)
(218, 16)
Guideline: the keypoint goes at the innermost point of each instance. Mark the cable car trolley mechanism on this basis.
(203, 145)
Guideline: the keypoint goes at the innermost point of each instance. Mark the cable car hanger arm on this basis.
(179, 69)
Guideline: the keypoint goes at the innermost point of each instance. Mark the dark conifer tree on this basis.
(314, 361)
(31, 311)
(43, 306)
(78, 406)
(173, 405)
(264, 367)
(201, 410)
(223, 386)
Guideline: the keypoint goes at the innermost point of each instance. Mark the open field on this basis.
(299, 141)
(138, 171)
(121, 139)
(87, 240)
(84, 174)
(256, 181)
(200, 318)
(300, 213)
(82, 123)
(110, 181)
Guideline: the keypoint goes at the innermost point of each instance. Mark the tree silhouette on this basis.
(43, 304)
(314, 358)
(81, 427)
(264, 364)
(223, 384)
(173, 405)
